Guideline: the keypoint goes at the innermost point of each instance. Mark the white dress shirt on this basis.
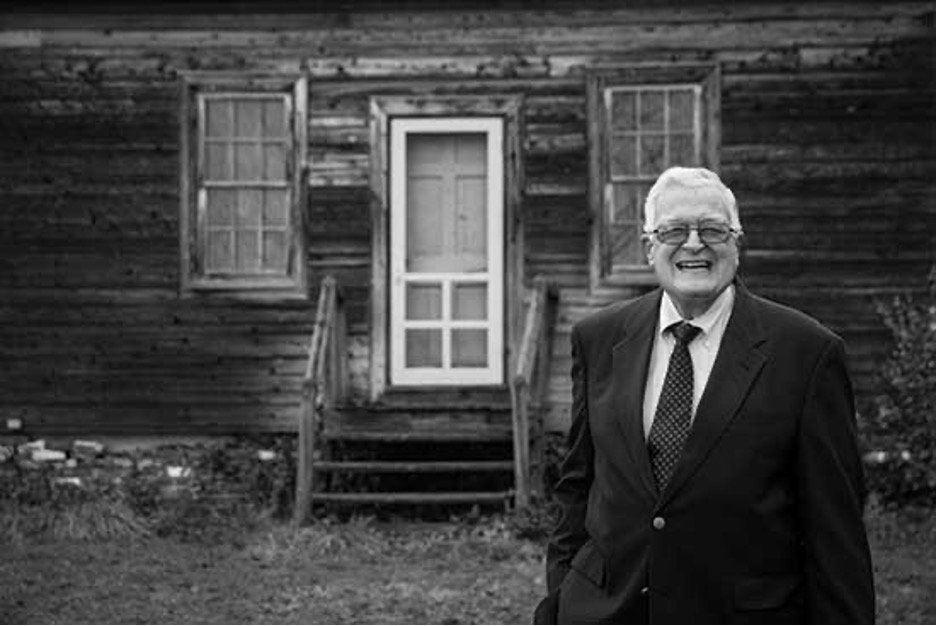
(703, 350)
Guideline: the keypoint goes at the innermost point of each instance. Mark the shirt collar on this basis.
(719, 309)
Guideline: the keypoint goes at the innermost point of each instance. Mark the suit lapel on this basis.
(740, 358)
(631, 358)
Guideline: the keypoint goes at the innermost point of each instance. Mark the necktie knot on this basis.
(684, 332)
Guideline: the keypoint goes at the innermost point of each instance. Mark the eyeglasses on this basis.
(709, 233)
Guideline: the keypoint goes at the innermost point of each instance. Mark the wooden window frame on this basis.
(382, 109)
(196, 86)
(651, 76)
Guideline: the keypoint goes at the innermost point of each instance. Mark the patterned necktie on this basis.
(674, 411)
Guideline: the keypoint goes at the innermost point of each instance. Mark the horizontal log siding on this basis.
(827, 140)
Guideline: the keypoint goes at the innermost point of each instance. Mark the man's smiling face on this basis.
(693, 273)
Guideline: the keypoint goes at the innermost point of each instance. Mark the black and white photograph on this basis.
(467, 312)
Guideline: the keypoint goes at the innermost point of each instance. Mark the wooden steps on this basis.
(415, 453)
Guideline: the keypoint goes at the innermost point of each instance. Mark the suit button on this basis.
(645, 591)
(659, 523)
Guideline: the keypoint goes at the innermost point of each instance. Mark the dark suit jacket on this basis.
(762, 519)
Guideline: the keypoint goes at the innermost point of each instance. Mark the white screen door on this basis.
(446, 251)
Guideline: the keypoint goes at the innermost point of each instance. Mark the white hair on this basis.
(692, 177)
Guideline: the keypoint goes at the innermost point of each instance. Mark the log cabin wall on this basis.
(827, 139)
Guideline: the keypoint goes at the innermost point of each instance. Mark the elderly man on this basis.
(712, 472)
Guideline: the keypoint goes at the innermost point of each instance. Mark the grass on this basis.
(903, 548)
(360, 571)
(357, 571)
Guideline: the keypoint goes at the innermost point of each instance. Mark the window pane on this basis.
(624, 233)
(425, 202)
(623, 155)
(446, 196)
(222, 205)
(651, 110)
(274, 119)
(471, 149)
(469, 347)
(217, 163)
(248, 250)
(424, 347)
(681, 109)
(275, 208)
(624, 241)
(275, 250)
(469, 301)
(274, 162)
(249, 117)
(425, 151)
(470, 223)
(652, 154)
(423, 301)
(642, 190)
(250, 208)
(627, 206)
(248, 161)
(424, 220)
(682, 150)
(220, 254)
(469, 226)
(623, 110)
(218, 122)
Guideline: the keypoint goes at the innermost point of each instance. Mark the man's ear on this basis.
(648, 247)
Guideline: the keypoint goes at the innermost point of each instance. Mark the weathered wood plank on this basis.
(552, 139)
(149, 418)
(719, 32)
(921, 150)
(415, 497)
(403, 467)
(375, 16)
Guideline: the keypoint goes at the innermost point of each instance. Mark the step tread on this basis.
(413, 466)
(439, 399)
(440, 497)
(430, 415)
(436, 423)
(363, 433)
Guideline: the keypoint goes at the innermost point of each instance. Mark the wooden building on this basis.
(176, 182)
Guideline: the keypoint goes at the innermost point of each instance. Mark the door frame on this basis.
(382, 110)
(400, 375)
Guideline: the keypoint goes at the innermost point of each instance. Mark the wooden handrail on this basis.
(529, 384)
(322, 385)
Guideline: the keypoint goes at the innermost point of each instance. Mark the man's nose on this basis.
(693, 242)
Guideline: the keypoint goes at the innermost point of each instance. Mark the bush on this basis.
(233, 470)
(218, 492)
(537, 522)
(39, 503)
(900, 427)
(226, 490)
